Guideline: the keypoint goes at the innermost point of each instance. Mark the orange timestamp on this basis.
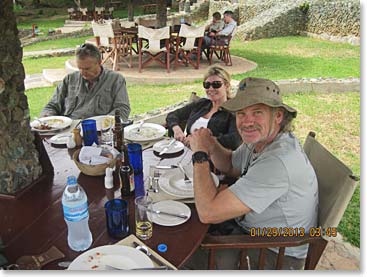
(292, 232)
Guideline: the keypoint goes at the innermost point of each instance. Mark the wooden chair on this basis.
(336, 187)
(107, 42)
(188, 44)
(72, 14)
(154, 49)
(220, 46)
(99, 13)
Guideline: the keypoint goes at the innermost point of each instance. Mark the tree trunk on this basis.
(161, 13)
(19, 159)
(130, 10)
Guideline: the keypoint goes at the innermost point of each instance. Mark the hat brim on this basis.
(242, 101)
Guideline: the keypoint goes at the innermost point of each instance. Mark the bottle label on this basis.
(132, 182)
(76, 213)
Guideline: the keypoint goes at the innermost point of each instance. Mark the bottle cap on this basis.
(71, 180)
(162, 247)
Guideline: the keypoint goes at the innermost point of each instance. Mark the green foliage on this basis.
(304, 7)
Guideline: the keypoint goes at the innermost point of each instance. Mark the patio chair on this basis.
(108, 14)
(85, 14)
(220, 46)
(155, 50)
(336, 187)
(99, 13)
(72, 14)
(188, 45)
(111, 46)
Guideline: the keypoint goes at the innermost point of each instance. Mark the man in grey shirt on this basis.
(229, 28)
(277, 186)
(91, 91)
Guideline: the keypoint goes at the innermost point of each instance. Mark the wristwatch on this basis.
(200, 157)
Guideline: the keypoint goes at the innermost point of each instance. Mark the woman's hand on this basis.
(178, 134)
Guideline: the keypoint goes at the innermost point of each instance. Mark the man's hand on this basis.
(202, 140)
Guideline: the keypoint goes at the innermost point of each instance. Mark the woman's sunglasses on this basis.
(215, 84)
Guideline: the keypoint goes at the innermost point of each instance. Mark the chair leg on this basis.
(211, 261)
(280, 257)
(211, 56)
(140, 61)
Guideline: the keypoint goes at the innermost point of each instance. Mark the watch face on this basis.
(200, 157)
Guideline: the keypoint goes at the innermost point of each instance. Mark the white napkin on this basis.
(92, 156)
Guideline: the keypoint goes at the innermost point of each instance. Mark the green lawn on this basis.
(56, 44)
(334, 117)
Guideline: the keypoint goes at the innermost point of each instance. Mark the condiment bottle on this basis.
(77, 137)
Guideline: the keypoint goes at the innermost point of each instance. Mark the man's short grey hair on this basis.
(230, 13)
(88, 50)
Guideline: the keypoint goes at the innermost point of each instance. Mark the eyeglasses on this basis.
(214, 84)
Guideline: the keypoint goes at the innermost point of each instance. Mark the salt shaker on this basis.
(108, 179)
(71, 143)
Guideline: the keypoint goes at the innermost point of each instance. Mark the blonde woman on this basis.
(206, 112)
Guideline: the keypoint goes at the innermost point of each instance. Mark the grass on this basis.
(334, 117)
(33, 65)
(56, 44)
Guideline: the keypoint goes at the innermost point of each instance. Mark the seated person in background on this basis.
(216, 25)
(91, 91)
(206, 112)
(229, 26)
(277, 185)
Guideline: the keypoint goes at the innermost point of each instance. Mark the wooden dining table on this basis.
(33, 222)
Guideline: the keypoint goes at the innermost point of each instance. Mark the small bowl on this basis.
(92, 170)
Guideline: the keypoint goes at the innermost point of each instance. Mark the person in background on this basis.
(91, 91)
(277, 185)
(206, 112)
(217, 23)
(229, 26)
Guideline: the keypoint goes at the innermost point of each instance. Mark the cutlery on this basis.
(169, 214)
(114, 267)
(140, 125)
(186, 178)
(146, 251)
(165, 149)
(165, 166)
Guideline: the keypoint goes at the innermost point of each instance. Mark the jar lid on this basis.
(162, 247)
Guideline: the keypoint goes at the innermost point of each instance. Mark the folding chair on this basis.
(220, 45)
(336, 187)
(111, 46)
(99, 13)
(154, 50)
(188, 44)
(85, 15)
(72, 13)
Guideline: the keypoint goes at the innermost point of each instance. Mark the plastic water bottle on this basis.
(76, 215)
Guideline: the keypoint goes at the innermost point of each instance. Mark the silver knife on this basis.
(170, 214)
(165, 149)
(165, 166)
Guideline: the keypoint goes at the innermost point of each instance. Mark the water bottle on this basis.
(75, 207)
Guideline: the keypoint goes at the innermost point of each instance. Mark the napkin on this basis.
(92, 156)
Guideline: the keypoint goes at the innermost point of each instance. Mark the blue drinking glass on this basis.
(117, 218)
(90, 135)
(139, 184)
(136, 158)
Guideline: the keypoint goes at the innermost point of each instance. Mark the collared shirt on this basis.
(228, 28)
(73, 97)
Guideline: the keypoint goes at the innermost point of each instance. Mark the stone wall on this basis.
(19, 164)
(272, 18)
(336, 18)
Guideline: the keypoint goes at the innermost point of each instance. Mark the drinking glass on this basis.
(117, 218)
(143, 217)
(90, 136)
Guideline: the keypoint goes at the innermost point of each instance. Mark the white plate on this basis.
(176, 147)
(148, 132)
(55, 122)
(118, 255)
(103, 121)
(62, 138)
(171, 207)
(172, 182)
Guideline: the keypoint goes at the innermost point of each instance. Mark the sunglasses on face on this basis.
(215, 84)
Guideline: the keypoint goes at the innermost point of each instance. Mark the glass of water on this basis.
(143, 217)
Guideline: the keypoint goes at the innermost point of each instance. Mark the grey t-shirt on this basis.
(74, 99)
(280, 187)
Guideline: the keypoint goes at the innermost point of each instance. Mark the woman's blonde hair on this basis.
(221, 73)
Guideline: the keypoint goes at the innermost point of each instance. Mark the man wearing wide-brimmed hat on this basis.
(276, 186)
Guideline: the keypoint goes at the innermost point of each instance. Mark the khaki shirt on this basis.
(74, 99)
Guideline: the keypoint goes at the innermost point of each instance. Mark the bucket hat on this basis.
(253, 91)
